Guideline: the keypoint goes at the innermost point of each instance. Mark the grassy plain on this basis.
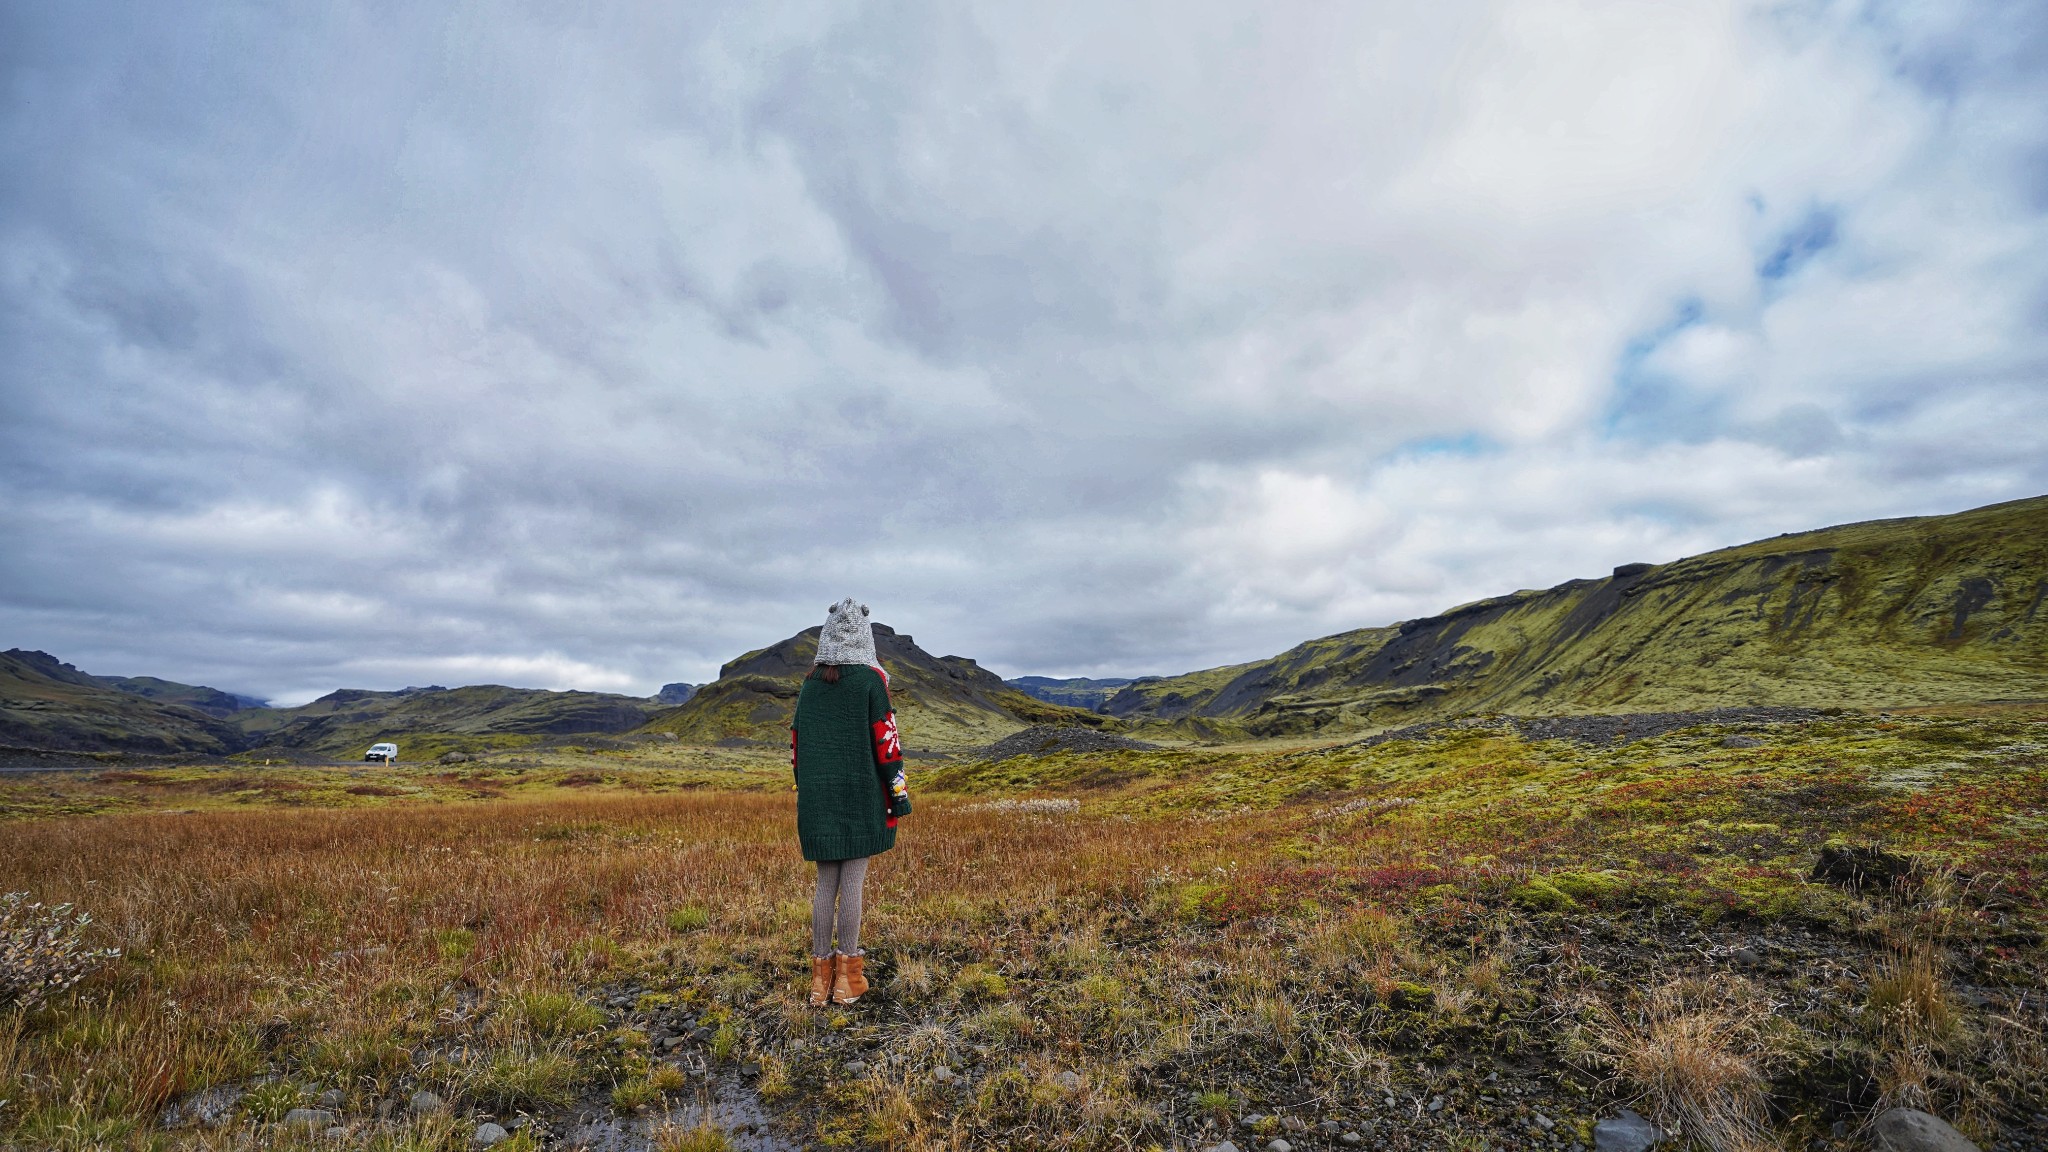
(1458, 940)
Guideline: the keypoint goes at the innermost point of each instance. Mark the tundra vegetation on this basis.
(1758, 932)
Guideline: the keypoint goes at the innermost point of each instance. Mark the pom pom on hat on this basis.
(848, 637)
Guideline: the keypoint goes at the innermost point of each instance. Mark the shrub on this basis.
(43, 951)
(557, 1014)
(270, 1101)
(725, 1043)
(1213, 1102)
(1700, 1052)
(526, 1080)
(689, 918)
(634, 1094)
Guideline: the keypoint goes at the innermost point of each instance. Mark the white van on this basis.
(388, 753)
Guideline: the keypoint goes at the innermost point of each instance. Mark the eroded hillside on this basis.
(1887, 613)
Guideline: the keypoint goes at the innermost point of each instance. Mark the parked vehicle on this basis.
(388, 753)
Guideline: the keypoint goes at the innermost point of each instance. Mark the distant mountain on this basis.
(211, 701)
(345, 722)
(48, 704)
(942, 702)
(1075, 692)
(676, 693)
(1935, 609)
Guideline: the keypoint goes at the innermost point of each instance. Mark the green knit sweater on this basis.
(844, 746)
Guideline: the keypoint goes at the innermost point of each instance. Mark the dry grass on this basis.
(1698, 1052)
(339, 942)
(1196, 947)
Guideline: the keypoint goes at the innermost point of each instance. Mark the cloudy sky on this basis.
(389, 344)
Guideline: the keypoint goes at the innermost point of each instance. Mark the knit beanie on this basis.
(847, 638)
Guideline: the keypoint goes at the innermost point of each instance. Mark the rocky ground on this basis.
(1048, 740)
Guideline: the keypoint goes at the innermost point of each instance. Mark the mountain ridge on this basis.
(942, 702)
(1910, 610)
(1896, 612)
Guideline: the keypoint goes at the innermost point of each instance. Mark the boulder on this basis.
(1863, 866)
(425, 1102)
(309, 1119)
(1627, 1132)
(1911, 1130)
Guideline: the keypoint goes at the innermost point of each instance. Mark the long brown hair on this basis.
(829, 673)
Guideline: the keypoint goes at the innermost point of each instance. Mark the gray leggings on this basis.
(838, 882)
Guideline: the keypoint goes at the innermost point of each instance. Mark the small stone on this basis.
(1627, 1132)
(942, 1074)
(856, 1067)
(1293, 1124)
(1436, 1104)
(1911, 1130)
(335, 1133)
(671, 1043)
(1328, 1127)
(1252, 1120)
(1352, 1138)
(424, 1101)
(308, 1119)
(488, 1134)
(333, 1098)
(1279, 1145)
(1545, 1122)
(386, 1107)
(1226, 1146)
(1746, 957)
(1069, 1081)
(750, 1070)
(1741, 742)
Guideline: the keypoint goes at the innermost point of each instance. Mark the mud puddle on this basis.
(727, 1102)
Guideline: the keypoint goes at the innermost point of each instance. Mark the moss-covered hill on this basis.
(1936, 609)
(47, 704)
(943, 703)
(422, 720)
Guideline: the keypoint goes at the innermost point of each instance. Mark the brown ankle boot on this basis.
(850, 983)
(821, 980)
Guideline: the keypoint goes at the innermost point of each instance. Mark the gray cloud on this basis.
(378, 346)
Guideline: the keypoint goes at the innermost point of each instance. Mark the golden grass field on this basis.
(1455, 941)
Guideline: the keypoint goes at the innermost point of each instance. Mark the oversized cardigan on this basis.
(849, 766)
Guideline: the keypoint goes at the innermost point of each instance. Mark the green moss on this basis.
(1406, 996)
(980, 982)
(454, 943)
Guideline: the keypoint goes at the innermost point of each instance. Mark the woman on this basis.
(849, 790)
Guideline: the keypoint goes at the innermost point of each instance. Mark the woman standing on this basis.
(849, 790)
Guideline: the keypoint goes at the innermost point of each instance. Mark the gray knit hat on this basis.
(848, 638)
